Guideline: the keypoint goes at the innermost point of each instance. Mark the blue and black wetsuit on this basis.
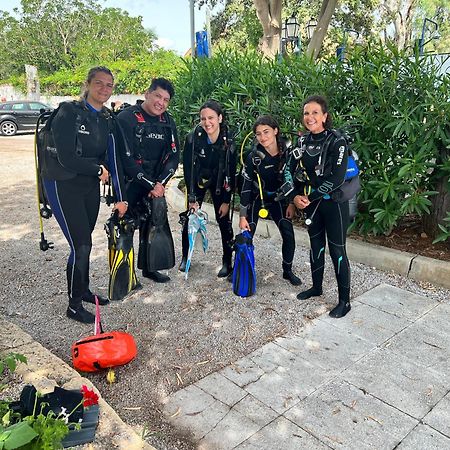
(211, 167)
(317, 175)
(84, 138)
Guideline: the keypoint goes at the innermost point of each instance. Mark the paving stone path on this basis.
(377, 379)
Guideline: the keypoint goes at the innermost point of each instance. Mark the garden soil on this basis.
(184, 329)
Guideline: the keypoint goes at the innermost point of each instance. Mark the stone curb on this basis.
(416, 267)
(45, 371)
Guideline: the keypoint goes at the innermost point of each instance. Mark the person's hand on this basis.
(104, 177)
(301, 201)
(243, 224)
(290, 211)
(193, 206)
(223, 210)
(121, 208)
(158, 191)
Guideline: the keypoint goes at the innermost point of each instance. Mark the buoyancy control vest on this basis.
(148, 136)
(49, 161)
(211, 161)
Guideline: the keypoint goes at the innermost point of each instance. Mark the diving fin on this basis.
(122, 275)
(244, 274)
(160, 248)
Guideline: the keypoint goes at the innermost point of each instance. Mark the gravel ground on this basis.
(184, 329)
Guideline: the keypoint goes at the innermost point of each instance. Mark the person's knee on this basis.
(337, 252)
(82, 253)
(286, 230)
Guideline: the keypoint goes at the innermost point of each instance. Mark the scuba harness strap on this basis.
(223, 172)
(139, 134)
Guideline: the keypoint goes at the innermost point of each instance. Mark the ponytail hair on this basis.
(218, 109)
(91, 74)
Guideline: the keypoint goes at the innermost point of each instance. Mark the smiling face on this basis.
(210, 122)
(314, 118)
(99, 89)
(267, 137)
(156, 102)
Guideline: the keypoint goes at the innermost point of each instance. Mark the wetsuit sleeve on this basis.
(131, 168)
(335, 170)
(115, 168)
(65, 138)
(127, 123)
(172, 158)
(290, 169)
(231, 171)
(248, 174)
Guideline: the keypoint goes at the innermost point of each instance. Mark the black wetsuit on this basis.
(153, 142)
(317, 177)
(84, 139)
(270, 169)
(214, 166)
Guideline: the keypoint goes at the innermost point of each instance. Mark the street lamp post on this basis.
(289, 35)
(192, 16)
(340, 51)
(310, 28)
(434, 34)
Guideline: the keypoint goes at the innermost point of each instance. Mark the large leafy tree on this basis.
(401, 21)
(240, 23)
(55, 34)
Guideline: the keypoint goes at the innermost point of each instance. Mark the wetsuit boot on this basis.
(343, 307)
(155, 276)
(89, 297)
(290, 276)
(311, 292)
(77, 312)
(227, 268)
(182, 266)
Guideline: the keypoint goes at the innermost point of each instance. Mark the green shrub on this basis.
(395, 106)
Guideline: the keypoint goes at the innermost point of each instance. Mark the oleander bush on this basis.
(395, 106)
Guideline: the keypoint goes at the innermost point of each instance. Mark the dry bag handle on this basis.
(97, 324)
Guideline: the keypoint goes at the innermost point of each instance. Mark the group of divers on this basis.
(136, 152)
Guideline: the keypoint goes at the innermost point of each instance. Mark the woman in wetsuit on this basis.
(318, 174)
(267, 162)
(83, 134)
(209, 164)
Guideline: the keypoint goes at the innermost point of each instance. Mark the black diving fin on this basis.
(160, 247)
(122, 275)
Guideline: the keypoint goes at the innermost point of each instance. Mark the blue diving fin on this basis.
(244, 274)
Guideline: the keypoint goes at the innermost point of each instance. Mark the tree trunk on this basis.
(269, 14)
(440, 203)
(326, 13)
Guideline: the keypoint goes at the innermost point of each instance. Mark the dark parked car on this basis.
(20, 115)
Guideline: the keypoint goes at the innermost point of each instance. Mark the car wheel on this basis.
(8, 128)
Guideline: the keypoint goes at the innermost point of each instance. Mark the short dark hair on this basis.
(162, 83)
(322, 101)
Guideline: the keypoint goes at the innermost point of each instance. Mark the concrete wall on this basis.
(8, 92)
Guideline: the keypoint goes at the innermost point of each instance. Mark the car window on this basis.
(19, 106)
(37, 106)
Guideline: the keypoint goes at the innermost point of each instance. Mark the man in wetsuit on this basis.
(152, 137)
